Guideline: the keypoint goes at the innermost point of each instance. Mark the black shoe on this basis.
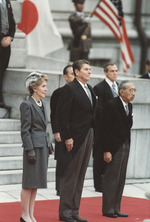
(67, 219)
(119, 214)
(58, 193)
(113, 215)
(22, 220)
(77, 218)
(98, 189)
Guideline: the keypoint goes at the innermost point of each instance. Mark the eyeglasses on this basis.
(131, 90)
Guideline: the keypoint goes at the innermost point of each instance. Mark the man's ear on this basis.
(76, 72)
(105, 74)
(121, 92)
(65, 76)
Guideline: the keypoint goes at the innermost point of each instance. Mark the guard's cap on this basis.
(78, 1)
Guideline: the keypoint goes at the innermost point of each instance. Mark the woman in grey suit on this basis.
(35, 143)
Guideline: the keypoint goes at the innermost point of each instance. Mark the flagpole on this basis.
(91, 14)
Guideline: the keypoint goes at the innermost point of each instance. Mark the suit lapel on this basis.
(108, 89)
(45, 113)
(38, 110)
(122, 110)
(83, 93)
(130, 110)
(93, 95)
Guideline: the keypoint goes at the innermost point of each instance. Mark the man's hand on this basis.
(69, 144)
(57, 137)
(107, 157)
(87, 19)
(6, 41)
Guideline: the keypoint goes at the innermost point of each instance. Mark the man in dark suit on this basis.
(147, 66)
(7, 31)
(104, 91)
(81, 29)
(69, 77)
(117, 122)
(77, 118)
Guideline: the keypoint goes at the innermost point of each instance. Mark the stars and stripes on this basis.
(110, 12)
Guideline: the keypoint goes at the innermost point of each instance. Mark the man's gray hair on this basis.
(122, 85)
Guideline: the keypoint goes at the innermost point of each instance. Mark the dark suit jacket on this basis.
(77, 113)
(54, 110)
(146, 76)
(79, 28)
(55, 118)
(116, 125)
(33, 125)
(12, 25)
(104, 94)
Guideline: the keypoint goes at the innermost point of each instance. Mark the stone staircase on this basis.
(10, 151)
(11, 154)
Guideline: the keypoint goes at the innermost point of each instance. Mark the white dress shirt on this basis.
(110, 83)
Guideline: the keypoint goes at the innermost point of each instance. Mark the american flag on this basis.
(110, 12)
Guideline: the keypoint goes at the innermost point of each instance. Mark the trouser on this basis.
(71, 183)
(4, 60)
(114, 180)
(57, 177)
(99, 166)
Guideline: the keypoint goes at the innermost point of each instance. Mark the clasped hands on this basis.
(69, 144)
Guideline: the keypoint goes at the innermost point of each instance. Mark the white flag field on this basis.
(38, 25)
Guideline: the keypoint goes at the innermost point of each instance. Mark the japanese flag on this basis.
(37, 23)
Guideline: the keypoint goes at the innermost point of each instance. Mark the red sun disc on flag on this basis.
(29, 17)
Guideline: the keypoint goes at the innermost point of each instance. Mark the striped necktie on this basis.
(114, 88)
(88, 93)
(127, 109)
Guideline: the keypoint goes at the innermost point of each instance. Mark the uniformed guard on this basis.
(80, 24)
